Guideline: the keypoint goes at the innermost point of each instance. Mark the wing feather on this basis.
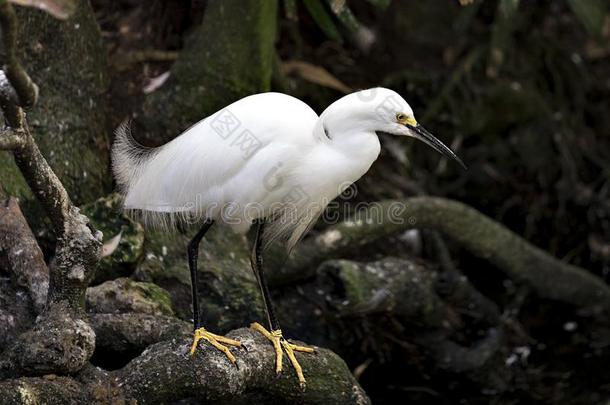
(221, 159)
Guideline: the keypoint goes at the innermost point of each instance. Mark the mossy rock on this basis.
(125, 296)
(106, 215)
(380, 286)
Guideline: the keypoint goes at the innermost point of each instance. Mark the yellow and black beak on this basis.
(422, 134)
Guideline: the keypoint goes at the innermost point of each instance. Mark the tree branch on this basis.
(77, 253)
(25, 88)
(78, 247)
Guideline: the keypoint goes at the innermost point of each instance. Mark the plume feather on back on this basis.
(128, 156)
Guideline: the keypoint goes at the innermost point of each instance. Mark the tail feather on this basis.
(128, 156)
(130, 163)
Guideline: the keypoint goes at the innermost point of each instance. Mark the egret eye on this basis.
(400, 117)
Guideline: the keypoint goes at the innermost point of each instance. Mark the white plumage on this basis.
(268, 156)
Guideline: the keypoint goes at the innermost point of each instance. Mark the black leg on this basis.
(193, 253)
(256, 260)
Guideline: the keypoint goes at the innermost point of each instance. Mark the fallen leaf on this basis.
(155, 83)
(109, 247)
(314, 74)
(61, 9)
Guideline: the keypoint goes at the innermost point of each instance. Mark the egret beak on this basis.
(422, 134)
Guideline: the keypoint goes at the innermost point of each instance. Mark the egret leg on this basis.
(219, 342)
(274, 334)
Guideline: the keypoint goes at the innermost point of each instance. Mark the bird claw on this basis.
(218, 341)
(281, 345)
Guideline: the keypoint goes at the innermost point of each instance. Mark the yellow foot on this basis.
(216, 341)
(280, 343)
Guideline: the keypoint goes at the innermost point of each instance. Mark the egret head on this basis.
(395, 116)
(379, 110)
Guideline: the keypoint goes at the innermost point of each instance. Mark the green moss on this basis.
(123, 295)
(357, 288)
(155, 294)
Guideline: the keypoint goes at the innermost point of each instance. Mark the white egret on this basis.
(266, 159)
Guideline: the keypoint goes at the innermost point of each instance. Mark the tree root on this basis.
(58, 343)
(394, 296)
(166, 372)
(19, 252)
(134, 332)
(38, 390)
(549, 277)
